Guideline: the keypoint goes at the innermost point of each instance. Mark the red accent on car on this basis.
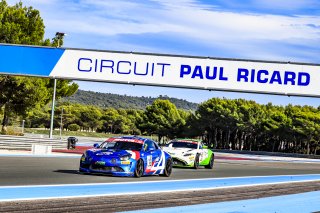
(185, 141)
(125, 140)
(137, 153)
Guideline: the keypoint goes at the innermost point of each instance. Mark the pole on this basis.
(52, 107)
(59, 36)
(61, 125)
(22, 130)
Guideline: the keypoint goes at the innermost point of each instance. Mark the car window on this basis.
(200, 145)
(107, 145)
(156, 145)
(124, 145)
(189, 145)
(148, 145)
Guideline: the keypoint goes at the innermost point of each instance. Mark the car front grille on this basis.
(177, 162)
(85, 166)
(106, 168)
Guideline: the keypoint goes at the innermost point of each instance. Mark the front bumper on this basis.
(117, 168)
(182, 162)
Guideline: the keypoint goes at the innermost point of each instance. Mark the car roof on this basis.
(186, 140)
(134, 139)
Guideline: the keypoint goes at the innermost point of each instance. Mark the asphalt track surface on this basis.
(15, 171)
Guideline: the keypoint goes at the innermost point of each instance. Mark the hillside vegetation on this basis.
(123, 101)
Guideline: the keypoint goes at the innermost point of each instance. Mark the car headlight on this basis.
(126, 157)
(84, 156)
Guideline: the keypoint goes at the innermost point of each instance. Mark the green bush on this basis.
(12, 131)
(73, 127)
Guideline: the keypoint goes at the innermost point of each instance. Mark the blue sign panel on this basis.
(27, 60)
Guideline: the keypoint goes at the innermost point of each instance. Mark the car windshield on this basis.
(122, 145)
(107, 145)
(189, 145)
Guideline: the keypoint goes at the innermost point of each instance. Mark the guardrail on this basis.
(279, 154)
(9, 142)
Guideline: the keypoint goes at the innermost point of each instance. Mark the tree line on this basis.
(123, 101)
(222, 123)
(18, 95)
(161, 117)
(245, 125)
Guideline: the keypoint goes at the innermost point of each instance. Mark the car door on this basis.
(153, 153)
(203, 152)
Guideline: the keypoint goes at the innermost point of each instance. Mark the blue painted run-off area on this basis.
(302, 203)
(79, 190)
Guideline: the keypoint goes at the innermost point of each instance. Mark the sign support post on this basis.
(52, 107)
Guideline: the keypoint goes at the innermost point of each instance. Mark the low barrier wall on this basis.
(279, 154)
(9, 142)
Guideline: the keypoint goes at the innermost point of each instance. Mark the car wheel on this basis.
(196, 162)
(168, 168)
(81, 172)
(211, 163)
(138, 172)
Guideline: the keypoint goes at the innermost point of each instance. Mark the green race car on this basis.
(189, 153)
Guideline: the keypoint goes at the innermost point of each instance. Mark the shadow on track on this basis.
(68, 171)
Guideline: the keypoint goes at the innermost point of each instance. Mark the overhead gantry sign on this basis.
(282, 78)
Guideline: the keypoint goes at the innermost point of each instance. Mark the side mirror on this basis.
(96, 145)
(151, 149)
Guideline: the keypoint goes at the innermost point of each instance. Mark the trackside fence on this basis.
(8, 142)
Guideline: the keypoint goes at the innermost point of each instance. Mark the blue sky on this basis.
(282, 30)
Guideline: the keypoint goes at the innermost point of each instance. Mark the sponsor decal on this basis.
(104, 153)
(126, 162)
(102, 163)
(149, 161)
(155, 167)
(125, 140)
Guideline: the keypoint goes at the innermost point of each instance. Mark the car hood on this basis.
(179, 151)
(107, 153)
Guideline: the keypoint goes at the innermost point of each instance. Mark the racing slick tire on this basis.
(211, 163)
(168, 168)
(82, 172)
(196, 162)
(138, 171)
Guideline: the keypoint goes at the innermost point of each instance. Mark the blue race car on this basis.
(127, 156)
